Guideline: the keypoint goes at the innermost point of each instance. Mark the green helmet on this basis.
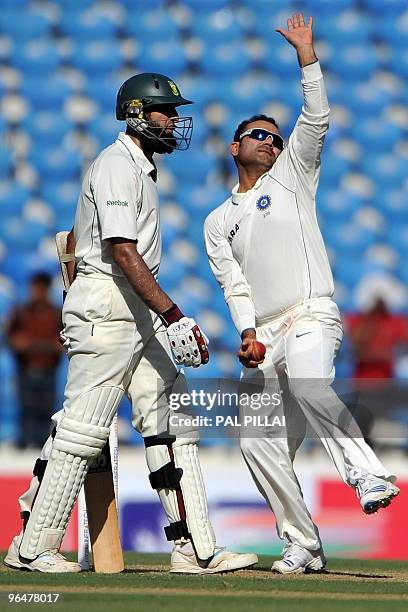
(149, 89)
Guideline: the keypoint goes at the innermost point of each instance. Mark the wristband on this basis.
(172, 315)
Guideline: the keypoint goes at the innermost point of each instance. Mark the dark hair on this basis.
(41, 278)
(242, 126)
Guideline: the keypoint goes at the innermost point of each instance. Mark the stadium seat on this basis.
(50, 96)
(31, 24)
(165, 56)
(57, 162)
(97, 57)
(217, 26)
(151, 26)
(47, 128)
(221, 59)
(37, 57)
(13, 196)
(88, 25)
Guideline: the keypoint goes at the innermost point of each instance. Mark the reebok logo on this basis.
(117, 203)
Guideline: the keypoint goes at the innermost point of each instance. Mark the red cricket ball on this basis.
(258, 351)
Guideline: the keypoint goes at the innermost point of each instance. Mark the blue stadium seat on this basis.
(50, 94)
(20, 235)
(62, 196)
(13, 196)
(349, 27)
(316, 7)
(30, 24)
(151, 26)
(385, 7)
(388, 170)
(366, 99)
(280, 61)
(376, 135)
(208, 5)
(200, 165)
(217, 27)
(393, 203)
(392, 30)
(398, 237)
(398, 62)
(354, 62)
(47, 128)
(349, 237)
(225, 58)
(88, 25)
(56, 162)
(6, 162)
(105, 129)
(336, 204)
(165, 56)
(103, 91)
(97, 57)
(37, 57)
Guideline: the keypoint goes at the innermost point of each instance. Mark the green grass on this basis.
(146, 586)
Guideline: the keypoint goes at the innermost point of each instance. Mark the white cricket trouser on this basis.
(301, 345)
(116, 341)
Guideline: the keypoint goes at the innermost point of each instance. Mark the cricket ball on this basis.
(258, 351)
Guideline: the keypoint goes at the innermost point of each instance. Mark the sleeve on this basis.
(306, 141)
(116, 189)
(229, 275)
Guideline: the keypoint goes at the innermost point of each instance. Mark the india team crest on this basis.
(263, 202)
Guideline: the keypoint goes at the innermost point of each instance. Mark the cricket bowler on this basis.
(267, 253)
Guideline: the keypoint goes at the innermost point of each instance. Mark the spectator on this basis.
(375, 335)
(32, 333)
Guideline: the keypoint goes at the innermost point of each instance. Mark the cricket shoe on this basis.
(299, 560)
(375, 493)
(48, 562)
(184, 561)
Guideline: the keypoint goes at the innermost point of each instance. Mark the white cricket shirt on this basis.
(118, 199)
(264, 246)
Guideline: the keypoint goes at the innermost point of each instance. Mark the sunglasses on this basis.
(260, 135)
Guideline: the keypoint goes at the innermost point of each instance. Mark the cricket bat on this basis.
(99, 486)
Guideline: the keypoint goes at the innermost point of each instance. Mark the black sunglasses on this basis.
(260, 134)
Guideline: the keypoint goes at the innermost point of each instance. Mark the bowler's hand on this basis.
(300, 36)
(298, 33)
(248, 353)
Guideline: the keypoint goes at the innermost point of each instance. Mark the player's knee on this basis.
(247, 445)
(80, 439)
(306, 390)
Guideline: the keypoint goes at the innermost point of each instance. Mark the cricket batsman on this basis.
(124, 335)
(267, 253)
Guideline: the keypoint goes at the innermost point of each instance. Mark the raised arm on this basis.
(306, 141)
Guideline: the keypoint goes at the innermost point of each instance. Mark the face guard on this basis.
(181, 131)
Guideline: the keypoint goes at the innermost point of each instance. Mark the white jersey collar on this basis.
(136, 152)
(239, 197)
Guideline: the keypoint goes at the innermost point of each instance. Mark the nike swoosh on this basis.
(304, 334)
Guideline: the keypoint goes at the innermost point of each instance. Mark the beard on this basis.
(167, 142)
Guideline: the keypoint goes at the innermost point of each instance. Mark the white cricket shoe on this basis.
(184, 561)
(49, 562)
(298, 560)
(375, 493)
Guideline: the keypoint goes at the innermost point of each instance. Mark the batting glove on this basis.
(188, 342)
